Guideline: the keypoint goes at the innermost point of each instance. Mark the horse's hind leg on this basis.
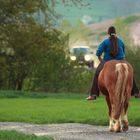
(111, 122)
(124, 119)
(124, 123)
(116, 120)
(117, 125)
(111, 125)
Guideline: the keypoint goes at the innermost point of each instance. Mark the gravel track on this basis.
(72, 131)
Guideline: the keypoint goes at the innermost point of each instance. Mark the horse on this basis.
(115, 81)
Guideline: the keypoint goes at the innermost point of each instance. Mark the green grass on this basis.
(13, 135)
(61, 108)
(26, 94)
(51, 110)
(131, 19)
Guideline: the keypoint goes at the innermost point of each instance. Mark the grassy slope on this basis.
(63, 109)
(99, 29)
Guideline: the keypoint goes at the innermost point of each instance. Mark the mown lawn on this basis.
(13, 135)
(61, 108)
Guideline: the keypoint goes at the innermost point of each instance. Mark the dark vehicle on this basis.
(82, 55)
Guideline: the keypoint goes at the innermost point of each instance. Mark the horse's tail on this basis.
(121, 96)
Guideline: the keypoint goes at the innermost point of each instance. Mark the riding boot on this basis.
(135, 91)
(94, 91)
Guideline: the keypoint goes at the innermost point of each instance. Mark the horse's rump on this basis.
(115, 72)
(116, 81)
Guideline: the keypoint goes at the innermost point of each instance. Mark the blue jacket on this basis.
(105, 48)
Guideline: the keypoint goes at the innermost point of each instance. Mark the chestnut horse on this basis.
(115, 82)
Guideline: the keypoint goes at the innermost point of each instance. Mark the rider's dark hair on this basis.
(113, 41)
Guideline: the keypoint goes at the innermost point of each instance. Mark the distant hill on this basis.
(99, 30)
(99, 10)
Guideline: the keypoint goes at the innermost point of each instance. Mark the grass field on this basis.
(13, 135)
(61, 108)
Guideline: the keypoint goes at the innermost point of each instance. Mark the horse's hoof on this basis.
(117, 129)
(111, 129)
(125, 128)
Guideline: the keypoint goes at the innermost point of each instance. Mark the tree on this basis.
(32, 56)
(22, 36)
(132, 52)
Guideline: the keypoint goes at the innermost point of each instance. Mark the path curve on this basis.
(72, 131)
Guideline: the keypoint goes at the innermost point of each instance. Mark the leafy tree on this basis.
(134, 58)
(21, 40)
(32, 56)
(132, 51)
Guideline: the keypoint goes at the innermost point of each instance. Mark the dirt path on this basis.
(72, 131)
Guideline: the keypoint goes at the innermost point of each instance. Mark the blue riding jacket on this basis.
(105, 47)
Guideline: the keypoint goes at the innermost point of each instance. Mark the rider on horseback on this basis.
(113, 49)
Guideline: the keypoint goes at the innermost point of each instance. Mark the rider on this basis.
(113, 49)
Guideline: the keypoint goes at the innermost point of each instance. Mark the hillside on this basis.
(99, 30)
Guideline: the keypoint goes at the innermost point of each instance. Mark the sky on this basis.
(98, 10)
